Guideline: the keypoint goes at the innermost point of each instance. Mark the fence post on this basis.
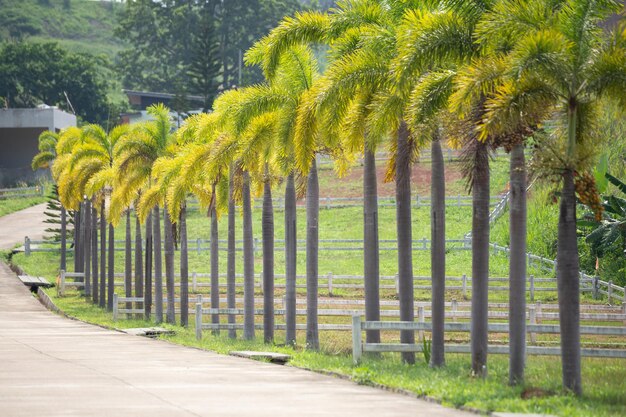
(624, 311)
(610, 291)
(420, 318)
(255, 246)
(458, 200)
(424, 243)
(198, 321)
(26, 246)
(464, 283)
(194, 281)
(532, 288)
(330, 283)
(455, 307)
(198, 245)
(418, 201)
(397, 285)
(538, 312)
(61, 287)
(357, 347)
(327, 203)
(261, 281)
(533, 320)
(594, 287)
(115, 302)
(530, 260)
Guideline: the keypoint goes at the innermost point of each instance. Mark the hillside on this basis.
(80, 25)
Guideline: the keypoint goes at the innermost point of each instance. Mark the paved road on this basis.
(27, 222)
(53, 366)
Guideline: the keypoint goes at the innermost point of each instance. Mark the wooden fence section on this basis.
(455, 311)
(22, 192)
(339, 202)
(63, 282)
(358, 347)
(200, 282)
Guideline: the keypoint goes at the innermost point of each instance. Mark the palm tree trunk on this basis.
(77, 240)
(87, 248)
(170, 316)
(147, 305)
(63, 264)
(371, 265)
(290, 259)
(248, 262)
(138, 263)
(215, 265)
(480, 260)
(184, 269)
(568, 286)
(268, 260)
(111, 268)
(405, 239)
(517, 266)
(94, 258)
(128, 263)
(103, 255)
(438, 252)
(230, 266)
(312, 248)
(158, 265)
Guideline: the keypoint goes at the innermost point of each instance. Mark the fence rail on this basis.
(336, 202)
(589, 283)
(331, 282)
(21, 192)
(535, 313)
(358, 347)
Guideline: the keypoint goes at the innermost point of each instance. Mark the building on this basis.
(19, 134)
(141, 100)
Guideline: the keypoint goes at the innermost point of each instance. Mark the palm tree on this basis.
(340, 27)
(191, 172)
(561, 68)
(94, 161)
(94, 251)
(47, 142)
(128, 262)
(440, 39)
(138, 260)
(136, 155)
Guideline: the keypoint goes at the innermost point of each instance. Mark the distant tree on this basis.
(35, 73)
(204, 66)
(198, 41)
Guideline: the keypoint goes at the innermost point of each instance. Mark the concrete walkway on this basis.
(53, 366)
(27, 222)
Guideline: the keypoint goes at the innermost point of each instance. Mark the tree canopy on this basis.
(44, 73)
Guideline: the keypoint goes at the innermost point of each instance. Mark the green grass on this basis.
(604, 386)
(16, 204)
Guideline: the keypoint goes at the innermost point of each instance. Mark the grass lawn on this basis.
(16, 204)
(604, 379)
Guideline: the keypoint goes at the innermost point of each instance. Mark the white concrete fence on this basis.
(359, 347)
(21, 192)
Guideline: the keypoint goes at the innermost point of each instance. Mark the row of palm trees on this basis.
(400, 75)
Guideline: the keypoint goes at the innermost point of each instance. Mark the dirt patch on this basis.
(532, 392)
(351, 185)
